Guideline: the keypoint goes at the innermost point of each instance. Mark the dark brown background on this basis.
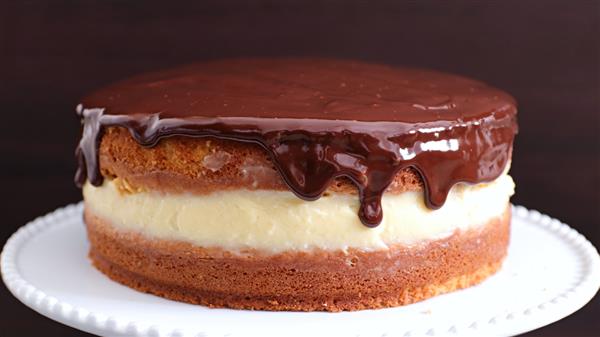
(546, 53)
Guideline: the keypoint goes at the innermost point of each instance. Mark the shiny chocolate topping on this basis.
(318, 119)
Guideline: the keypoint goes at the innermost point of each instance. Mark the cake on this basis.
(297, 184)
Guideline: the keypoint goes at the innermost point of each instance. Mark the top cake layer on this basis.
(318, 120)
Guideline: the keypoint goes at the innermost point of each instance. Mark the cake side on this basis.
(297, 184)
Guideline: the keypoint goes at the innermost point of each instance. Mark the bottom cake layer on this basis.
(298, 280)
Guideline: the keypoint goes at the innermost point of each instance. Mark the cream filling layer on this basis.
(276, 221)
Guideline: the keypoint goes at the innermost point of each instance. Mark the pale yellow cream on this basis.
(276, 221)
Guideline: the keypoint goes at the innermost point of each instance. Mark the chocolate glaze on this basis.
(318, 119)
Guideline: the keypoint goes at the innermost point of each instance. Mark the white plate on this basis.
(550, 272)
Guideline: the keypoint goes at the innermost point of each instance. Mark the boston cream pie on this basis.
(297, 184)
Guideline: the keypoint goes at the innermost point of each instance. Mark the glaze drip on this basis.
(318, 120)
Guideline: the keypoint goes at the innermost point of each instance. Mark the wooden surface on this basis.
(545, 53)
